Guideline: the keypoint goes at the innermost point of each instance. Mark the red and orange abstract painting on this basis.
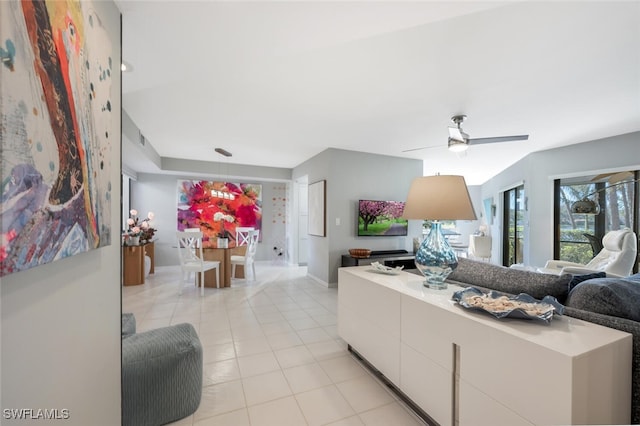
(218, 208)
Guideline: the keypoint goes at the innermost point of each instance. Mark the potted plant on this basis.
(140, 231)
(223, 233)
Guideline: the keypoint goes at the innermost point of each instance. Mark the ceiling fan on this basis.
(459, 141)
(614, 177)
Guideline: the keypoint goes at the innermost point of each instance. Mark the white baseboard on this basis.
(324, 283)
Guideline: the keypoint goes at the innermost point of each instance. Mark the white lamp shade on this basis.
(441, 197)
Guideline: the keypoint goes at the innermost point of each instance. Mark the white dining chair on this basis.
(480, 247)
(242, 235)
(248, 259)
(191, 259)
(193, 230)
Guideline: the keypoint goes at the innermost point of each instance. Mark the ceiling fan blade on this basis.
(455, 133)
(620, 176)
(418, 149)
(601, 176)
(613, 177)
(476, 141)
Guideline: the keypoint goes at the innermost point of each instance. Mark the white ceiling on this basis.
(276, 83)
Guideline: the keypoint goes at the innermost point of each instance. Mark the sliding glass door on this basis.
(513, 235)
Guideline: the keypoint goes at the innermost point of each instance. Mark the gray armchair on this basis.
(161, 373)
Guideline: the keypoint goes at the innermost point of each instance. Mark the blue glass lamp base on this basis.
(435, 259)
(435, 285)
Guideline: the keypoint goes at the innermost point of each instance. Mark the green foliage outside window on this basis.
(579, 253)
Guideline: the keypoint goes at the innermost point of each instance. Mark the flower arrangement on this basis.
(140, 228)
(221, 217)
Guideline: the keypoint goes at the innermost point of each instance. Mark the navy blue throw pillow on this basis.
(577, 279)
(618, 297)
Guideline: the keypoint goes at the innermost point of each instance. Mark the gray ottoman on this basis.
(161, 375)
(128, 325)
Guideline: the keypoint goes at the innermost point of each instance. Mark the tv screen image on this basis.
(381, 218)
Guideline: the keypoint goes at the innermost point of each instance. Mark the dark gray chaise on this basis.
(611, 302)
(161, 373)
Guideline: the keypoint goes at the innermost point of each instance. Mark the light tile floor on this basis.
(272, 354)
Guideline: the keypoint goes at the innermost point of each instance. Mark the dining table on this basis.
(222, 255)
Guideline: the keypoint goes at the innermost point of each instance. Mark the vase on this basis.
(223, 243)
(147, 266)
(134, 241)
(435, 258)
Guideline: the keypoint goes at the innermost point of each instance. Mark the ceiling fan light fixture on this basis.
(457, 146)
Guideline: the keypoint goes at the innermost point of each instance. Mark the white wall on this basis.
(316, 169)
(468, 227)
(352, 176)
(60, 323)
(538, 171)
(159, 194)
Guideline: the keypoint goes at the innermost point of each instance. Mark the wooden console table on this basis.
(456, 366)
(133, 263)
(222, 255)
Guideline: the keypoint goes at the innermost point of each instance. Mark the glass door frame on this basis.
(513, 243)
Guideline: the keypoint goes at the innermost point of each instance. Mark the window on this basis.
(577, 236)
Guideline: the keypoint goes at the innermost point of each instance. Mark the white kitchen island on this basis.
(464, 367)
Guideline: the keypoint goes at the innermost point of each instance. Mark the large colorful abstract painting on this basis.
(217, 208)
(57, 123)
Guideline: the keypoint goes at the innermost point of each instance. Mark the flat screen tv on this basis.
(381, 218)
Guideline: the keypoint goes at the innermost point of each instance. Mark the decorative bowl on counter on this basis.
(505, 306)
(360, 253)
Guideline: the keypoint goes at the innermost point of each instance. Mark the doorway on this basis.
(513, 220)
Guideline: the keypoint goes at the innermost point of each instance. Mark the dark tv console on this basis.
(392, 258)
